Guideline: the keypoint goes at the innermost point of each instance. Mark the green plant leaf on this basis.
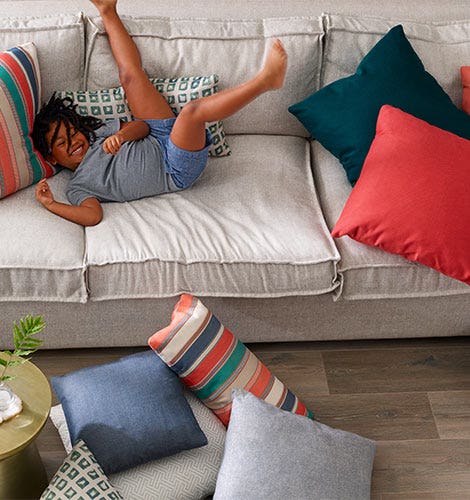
(16, 363)
(31, 343)
(7, 377)
(32, 339)
(21, 352)
(8, 353)
(17, 337)
(34, 325)
(25, 344)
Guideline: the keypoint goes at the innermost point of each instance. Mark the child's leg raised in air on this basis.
(189, 129)
(143, 98)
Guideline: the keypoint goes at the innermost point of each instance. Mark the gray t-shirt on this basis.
(136, 171)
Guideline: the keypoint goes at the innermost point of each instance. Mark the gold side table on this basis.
(22, 473)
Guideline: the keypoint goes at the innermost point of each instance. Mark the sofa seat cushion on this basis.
(369, 272)
(251, 226)
(41, 255)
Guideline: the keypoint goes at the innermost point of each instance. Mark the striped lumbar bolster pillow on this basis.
(211, 361)
(20, 97)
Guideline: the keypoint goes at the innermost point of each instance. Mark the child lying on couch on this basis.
(155, 153)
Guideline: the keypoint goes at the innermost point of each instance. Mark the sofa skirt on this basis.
(131, 322)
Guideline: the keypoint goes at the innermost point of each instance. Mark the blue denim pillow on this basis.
(128, 412)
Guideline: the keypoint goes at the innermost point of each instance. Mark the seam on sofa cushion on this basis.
(268, 25)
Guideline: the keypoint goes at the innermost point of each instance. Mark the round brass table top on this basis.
(33, 388)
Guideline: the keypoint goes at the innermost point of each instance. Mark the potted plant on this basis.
(25, 345)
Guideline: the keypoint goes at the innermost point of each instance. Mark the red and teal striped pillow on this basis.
(20, 97)
(211, 361)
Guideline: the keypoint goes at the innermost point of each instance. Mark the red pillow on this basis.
(413, 195)
(465, 74)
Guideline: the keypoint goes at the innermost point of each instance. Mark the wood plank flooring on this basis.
(411, 396)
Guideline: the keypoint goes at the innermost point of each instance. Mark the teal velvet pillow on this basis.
(342, 116)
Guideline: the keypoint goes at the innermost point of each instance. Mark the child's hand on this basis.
(43, 193)
(112, 144)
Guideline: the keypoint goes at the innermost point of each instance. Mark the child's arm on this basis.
(89, 213)
(130, 131)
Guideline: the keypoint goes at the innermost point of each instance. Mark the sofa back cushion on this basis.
(234, 50)
(60, 45)
(442, 47)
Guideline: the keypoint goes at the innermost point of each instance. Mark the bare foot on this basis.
(104, 5)
(274, 70)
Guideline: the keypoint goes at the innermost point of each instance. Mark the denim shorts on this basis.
(183, 166)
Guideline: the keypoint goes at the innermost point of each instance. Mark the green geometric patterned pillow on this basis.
(80, 477)
(104, 104)
(111, 103)
(180, 91)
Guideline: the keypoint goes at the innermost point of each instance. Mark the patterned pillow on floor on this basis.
(111, 103)
(80, 476)
(185, 476)
(212, 362)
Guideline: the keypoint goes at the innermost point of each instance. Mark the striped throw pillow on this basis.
(20, 96)
(211, 361)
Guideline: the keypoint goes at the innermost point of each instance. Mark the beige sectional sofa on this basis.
(252, 236)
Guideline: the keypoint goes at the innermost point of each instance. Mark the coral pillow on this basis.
(211, 361)
(465, 74)
(20, 96)
(412, 198)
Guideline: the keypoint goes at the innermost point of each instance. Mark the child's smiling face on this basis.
(63, 153)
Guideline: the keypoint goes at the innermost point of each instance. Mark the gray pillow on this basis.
(274, 454)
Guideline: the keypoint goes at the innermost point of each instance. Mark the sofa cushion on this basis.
(250, 227)
(60, 44)
(442, 47)
(234, 50)
(41, 255)
(368, 272)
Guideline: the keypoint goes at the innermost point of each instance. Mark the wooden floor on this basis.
(411, 396)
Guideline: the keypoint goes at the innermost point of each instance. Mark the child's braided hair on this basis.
(61, 110)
